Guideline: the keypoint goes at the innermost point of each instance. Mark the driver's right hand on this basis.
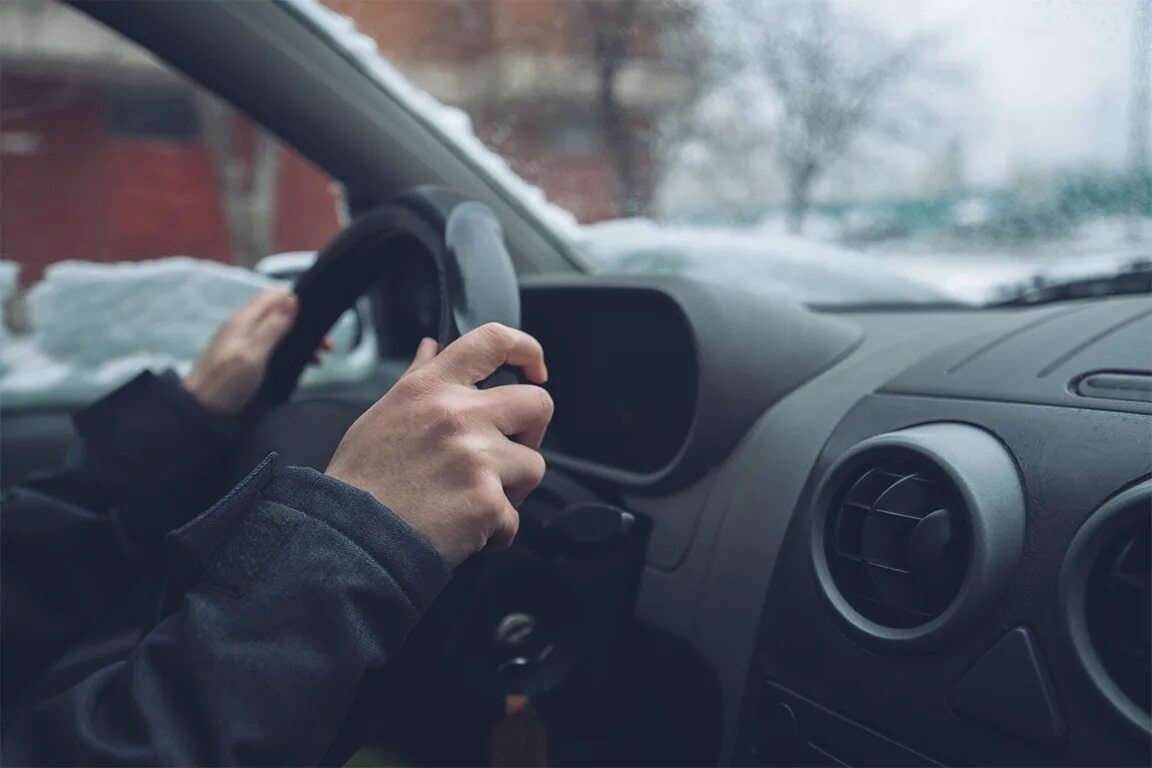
(451, 460)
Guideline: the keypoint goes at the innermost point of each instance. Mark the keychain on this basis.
(519, 737)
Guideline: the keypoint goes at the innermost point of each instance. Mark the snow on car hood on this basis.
(797, 268)
(96, 325)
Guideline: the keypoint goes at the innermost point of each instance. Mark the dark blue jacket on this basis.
(280, 603)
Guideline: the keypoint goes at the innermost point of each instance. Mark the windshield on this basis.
(834, 151)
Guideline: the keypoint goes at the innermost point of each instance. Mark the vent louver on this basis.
(898, 544)
(1118, 603)
(1106, 591)
(916, 533)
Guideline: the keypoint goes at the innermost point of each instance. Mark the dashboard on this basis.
(921, 539)
(892, 537)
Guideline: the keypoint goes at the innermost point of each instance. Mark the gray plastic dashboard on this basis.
(715, 541)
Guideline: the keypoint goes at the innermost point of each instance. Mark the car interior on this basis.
(769, 534)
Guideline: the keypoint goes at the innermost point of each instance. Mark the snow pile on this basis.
(452, 124)
(97, 325)
(980, 274)
(85, 314)
(796, 268)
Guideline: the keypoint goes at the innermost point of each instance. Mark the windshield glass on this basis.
(835, 151)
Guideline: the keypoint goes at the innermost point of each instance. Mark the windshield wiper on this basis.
(1133, 278)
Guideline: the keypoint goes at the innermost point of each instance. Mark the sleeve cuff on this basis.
(399, 548)
(153, 450)
(150, 412)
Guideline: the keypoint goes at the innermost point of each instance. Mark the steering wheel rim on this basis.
(463, 241)
(339, 277)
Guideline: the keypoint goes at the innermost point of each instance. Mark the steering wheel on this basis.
(461, 239)
(426, 230)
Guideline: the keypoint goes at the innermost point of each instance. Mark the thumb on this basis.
(427, 350)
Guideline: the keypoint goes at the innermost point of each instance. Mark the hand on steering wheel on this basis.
(451, 460)
(231, 369)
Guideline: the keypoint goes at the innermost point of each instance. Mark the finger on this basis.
(521, 469)
(272, 327)
(477, 354)
(425, 352)
(505, 533)
(261, 304)
(520, 411)
(317, 356)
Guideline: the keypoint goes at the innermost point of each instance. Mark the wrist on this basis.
(420, 528)
(205, 394)
(345, 504)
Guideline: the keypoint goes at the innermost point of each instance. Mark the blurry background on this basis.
(861, 121)
(832, 151)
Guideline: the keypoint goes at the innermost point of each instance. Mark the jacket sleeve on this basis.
(285, 598)
(150, 453)
(74, 541)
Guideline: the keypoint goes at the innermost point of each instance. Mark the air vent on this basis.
(1106, 587)
(898, 543)
(1119, 601)
(916, 532)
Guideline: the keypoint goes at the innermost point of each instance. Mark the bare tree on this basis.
(246, 182)
(684, 49)
(611, 30)
(718, 158)
(616, 34)
(835, 80)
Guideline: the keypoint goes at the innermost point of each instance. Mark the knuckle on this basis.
(472, 460)
(469, 410)
(492, 497)
(509, 523)
(491, 503)
(537, 468)
(446, 418)
(410, 386)
(547, 405)
(495, 334)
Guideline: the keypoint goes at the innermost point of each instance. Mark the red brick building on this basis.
(102, 156)
(105, 155)
(528, 74)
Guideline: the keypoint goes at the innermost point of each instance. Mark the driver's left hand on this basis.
(231, 369)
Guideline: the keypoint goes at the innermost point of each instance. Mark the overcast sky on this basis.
(1040, 86)
(1049, 80)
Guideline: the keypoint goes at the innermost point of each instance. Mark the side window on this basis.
(136, 212)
